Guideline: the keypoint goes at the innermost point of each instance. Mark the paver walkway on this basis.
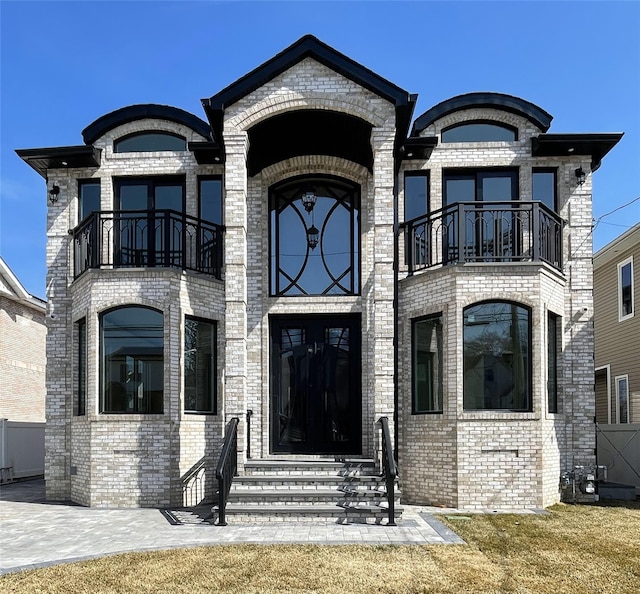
(34, 533)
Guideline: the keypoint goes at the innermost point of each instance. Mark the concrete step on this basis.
(357, 514)
(301, 496)
(327, 467)
(308, 481)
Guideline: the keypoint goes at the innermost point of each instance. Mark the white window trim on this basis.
(617, 379)
(607, 368)
(621, 316)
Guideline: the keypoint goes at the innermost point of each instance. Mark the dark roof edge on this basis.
(306, 46)
(132, 113)
(536, 115)
(41, 159)
(596, 145)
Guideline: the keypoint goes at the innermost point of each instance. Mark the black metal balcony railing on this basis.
(484, 232)
(148, 239)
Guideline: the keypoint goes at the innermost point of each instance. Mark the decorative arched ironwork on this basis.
(314, 245)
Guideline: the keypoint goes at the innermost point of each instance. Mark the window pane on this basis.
(544, 188)
(82, 367)
(211, 200)
(496, 357)
(416, 196)
(89, 199)
(552, 362)
(132, 360)
(626, 292)
(496, 187)
(134, 196)
(427, 365)
(622, 395)
(199, 366)
(150, 141)
(459, 189)
(478, 132)
(168, 197)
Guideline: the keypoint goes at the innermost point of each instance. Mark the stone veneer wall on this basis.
(486, 459)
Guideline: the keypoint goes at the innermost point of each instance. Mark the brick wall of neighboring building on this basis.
(22, 359)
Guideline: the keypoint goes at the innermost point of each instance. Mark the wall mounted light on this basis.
(581, 176)
(53, 193)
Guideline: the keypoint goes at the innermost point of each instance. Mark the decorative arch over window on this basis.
(497, 356)
(132, 360)
(146, 142)
(314, 227)
(480, 131)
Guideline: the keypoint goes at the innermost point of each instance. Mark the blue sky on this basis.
(64, 64)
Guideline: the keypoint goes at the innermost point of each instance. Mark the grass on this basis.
(576, 548)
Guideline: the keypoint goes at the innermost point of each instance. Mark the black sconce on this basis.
(53, 193)
(581, 176)
(312, 236)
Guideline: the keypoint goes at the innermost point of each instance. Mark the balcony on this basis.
(484, 232)
(147, 239)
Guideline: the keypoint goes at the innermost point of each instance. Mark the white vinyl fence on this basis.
(21, 449)
(619, 450)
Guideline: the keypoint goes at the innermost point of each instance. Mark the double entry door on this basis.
(316, 384)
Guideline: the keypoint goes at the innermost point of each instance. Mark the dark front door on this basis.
(315, 385)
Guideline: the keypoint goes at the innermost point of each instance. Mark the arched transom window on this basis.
(145, 142)
(479, 131)
(314, 237)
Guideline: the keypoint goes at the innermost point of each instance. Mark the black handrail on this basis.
(390, 468)
(249, 415)
(227, 467)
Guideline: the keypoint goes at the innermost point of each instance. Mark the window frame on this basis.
(554, 172)
(204, 178)
(427, 180)
(477, 174)
(553, 351)
(103, 368)
(493, 123)
(83, 183)
(439, 356)
(618, 379)
(213, 397)
(529, 363)
(621, 265)
(82, 352)
(151, 182)
(143, 133)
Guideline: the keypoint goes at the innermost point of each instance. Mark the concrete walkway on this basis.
(34, 533)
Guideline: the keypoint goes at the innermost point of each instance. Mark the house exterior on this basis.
(311, 258)
(22, 351)
(616, 275)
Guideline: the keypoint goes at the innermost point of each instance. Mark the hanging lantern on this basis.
(309, 199)
(312, 237)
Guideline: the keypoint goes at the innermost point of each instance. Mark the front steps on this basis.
(345, 492)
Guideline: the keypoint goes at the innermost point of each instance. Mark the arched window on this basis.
(479, 132)
(497, 356)
(315, 237)
(146, 142)
(132, 360)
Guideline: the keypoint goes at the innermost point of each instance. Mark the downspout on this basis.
(396, 317)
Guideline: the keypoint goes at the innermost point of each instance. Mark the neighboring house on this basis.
(22, 379)
(309, 255)
(22, 351)
(616, 276)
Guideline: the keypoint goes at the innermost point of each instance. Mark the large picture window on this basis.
(315, 237)
(132, 360)
(497, 364)
(199, 366)
(625, 289)
(427, 365)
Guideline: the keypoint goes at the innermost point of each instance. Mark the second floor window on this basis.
(210, 199)
(480, 132)
(416, 195)
(480, 185)
(544, 187)
(625, 289)
(145, 142)
(88, 198)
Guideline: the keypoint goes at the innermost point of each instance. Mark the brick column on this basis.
(235, 280)
(59, 398)
(381, 300)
